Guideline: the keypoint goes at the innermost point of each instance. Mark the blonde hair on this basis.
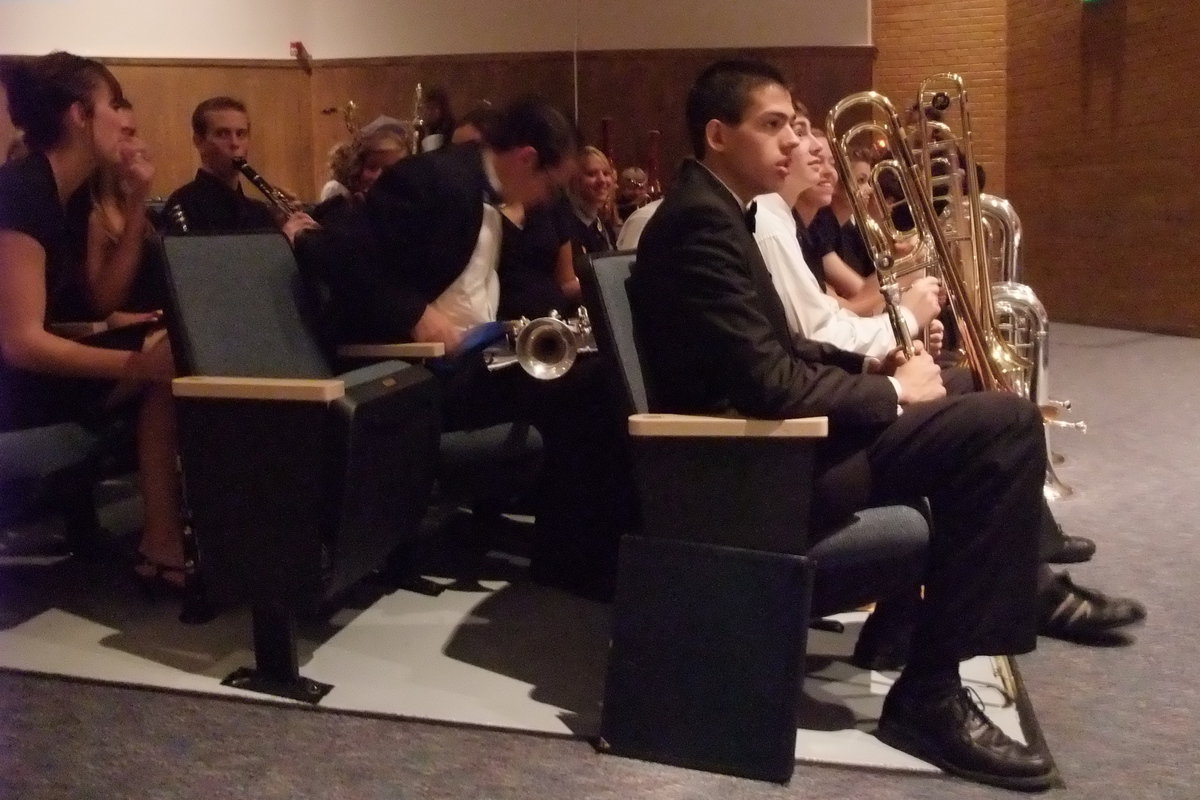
(340, 162)
(585, 152)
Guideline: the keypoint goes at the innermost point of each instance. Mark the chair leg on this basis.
(277, 666)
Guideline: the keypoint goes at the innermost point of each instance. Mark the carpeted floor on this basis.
(1121, 721)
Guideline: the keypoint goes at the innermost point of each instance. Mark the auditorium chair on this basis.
(715, 592)
(297, 482)
(53, 469)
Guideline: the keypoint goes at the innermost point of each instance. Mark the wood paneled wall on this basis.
(639, 90)
(276, 94)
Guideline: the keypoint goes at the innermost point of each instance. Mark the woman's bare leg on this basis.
(158, 478)
(162, 536)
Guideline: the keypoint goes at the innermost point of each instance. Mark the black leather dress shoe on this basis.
(1083, 615)
(1073, 550)
(951, 731)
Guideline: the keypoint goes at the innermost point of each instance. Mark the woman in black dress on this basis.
(69, 110)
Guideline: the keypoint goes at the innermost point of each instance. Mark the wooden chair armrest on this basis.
(286, 389)
(77, 330)
(695, 425)
(402, 350)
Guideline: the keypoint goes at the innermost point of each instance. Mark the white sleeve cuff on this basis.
(896, 386)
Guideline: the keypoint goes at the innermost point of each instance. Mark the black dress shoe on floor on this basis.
(1083, 615)
(951, 731)
(1073, 550)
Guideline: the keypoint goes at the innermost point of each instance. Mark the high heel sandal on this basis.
(157, 579)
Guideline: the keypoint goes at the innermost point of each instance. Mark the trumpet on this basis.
(281, 201)
(546, 347)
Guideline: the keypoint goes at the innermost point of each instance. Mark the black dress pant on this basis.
(980, 459)
(958, 380)
(584, 498)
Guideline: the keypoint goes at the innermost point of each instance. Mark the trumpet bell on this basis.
(546, 348)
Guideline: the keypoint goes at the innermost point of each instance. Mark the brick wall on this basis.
(917, 38)
(1104, 107)
(1084, 117)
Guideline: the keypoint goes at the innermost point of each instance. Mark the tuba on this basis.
(1025, 324)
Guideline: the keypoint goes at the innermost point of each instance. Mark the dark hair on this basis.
(439, 98)
(534, 122)
(222, 103)
(722, 92)
(483, 118)
(41, 89)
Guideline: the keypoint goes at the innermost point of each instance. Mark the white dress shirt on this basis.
(474, 296)
(634, 224)
(811, 312)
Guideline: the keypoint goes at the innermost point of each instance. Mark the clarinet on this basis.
(176, 220)
(282, 203)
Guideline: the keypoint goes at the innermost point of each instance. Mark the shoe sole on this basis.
(906, 742)
(1072, 558)
(1096, 633)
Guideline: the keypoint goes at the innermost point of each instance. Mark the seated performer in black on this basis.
(214, 201)
(536, 271)
(418, 263)
(716, 341)
(70, 109)
(1065, 610)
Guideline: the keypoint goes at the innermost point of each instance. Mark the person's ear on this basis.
(715, 135)
(528, 157)
(78, 114)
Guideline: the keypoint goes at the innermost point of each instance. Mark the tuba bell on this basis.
(1024, 322)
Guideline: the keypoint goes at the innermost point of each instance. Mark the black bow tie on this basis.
(750, 216)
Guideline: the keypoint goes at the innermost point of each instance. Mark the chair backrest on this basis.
(603, 279)
(238, 307)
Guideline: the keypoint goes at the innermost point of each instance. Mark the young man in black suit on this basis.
(716, 340)
(418, 263)
(214, 201)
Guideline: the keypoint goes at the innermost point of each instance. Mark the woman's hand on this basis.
(136, 169)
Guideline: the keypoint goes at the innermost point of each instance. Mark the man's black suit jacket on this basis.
(384, 260)
(713, 330)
